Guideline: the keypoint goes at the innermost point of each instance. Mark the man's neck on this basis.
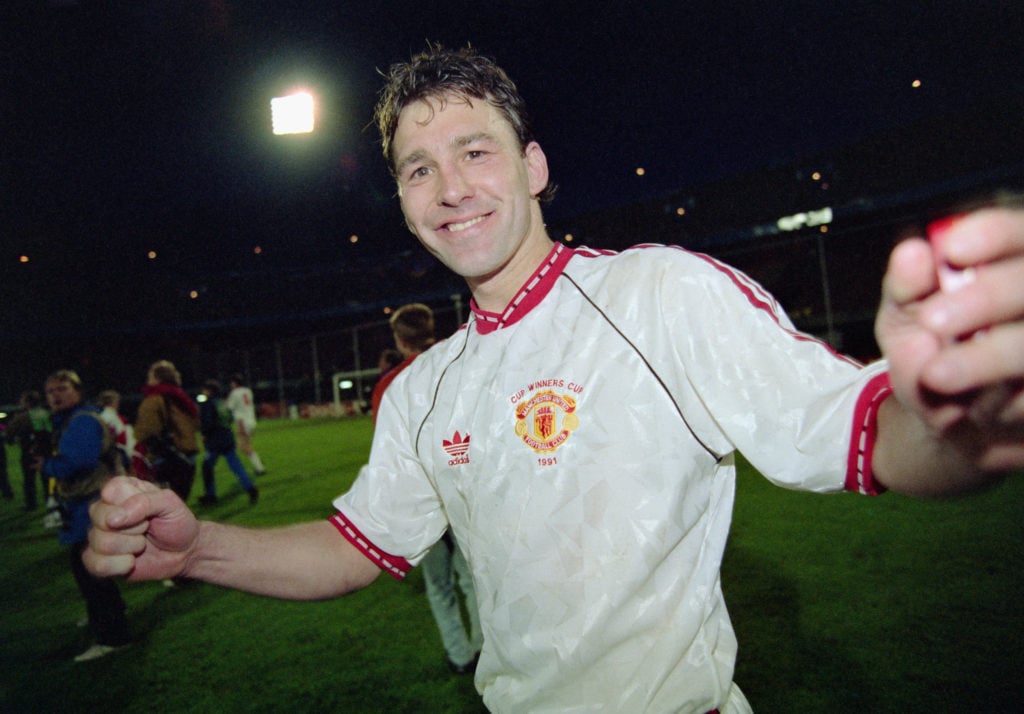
(492, 293)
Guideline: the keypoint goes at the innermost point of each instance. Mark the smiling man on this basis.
(467, 190)
(578, 434)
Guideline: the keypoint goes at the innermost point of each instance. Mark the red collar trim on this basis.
(533, 291)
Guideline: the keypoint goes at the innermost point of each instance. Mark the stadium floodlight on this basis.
(292, 114)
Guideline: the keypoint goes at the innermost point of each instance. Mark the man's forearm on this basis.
(310, 561)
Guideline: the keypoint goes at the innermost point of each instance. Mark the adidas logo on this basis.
(457, 448)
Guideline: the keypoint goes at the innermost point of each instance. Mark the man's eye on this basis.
(474, 154)
(419, 172)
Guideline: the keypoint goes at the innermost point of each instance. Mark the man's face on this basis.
(62, 396)
(466, 187)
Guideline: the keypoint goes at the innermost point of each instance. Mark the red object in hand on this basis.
(950, 278)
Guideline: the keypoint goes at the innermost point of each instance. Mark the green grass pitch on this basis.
(841, 604)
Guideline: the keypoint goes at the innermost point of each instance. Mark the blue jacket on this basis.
(77, 455)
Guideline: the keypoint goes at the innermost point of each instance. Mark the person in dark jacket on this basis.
(83, 458)
(215, 420)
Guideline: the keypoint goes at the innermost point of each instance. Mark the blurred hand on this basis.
(957, 357)
(140, 531)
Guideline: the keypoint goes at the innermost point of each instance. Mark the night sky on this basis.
(144, 124)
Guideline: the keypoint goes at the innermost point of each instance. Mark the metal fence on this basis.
(328, 373)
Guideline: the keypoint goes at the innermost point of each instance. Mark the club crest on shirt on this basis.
(545, 420)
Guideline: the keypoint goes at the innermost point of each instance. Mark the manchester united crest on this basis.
(546, 420)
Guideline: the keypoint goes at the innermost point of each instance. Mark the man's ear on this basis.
(537, 166)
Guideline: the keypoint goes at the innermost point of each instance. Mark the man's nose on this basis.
(453, 186)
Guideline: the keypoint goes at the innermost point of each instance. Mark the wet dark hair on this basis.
(440, 74)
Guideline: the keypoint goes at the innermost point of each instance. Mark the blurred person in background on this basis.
(412, 329)
(84, 457)
(167, 427)
(124, 435)
(31, 430)
(215, 422)
(243, 408)
(389, 359)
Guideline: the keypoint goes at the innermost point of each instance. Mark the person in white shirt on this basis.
(243, 408)
(578, 434)
(124, 435)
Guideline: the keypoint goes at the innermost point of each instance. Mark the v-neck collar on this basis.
(530, 294)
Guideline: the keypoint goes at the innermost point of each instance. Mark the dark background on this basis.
(138, 126)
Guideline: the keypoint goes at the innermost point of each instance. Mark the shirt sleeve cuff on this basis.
(860, 476)
(395, 566)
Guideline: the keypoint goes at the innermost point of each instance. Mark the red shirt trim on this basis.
(393, 565)
(860, 476)
(755, 294)
(765, 302)
(533, 291)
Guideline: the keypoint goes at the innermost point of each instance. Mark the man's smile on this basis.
(459, 227)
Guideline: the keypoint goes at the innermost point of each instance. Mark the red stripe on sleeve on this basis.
(759, 298)
(859, 475)
(393, 565)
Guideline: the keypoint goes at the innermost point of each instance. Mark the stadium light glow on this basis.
(292, 114)
(809, 219)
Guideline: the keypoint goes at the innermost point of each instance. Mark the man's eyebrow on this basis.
(461, 141)
(458, 142)
(414, 157)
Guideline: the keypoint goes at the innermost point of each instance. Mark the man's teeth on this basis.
(456, 227)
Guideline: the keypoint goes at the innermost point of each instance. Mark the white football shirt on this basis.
(581, 447)
(243, 407)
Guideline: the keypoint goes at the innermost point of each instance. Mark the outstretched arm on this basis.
(956, 359)
(145, 533)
